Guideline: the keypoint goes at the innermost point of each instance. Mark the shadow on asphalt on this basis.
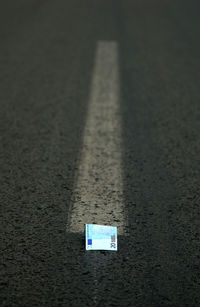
(156, 199)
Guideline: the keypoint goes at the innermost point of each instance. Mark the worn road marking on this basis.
(98, 191)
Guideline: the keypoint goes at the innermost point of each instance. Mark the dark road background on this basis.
(47, 52)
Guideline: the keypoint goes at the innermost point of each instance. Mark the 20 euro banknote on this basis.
(100, 237)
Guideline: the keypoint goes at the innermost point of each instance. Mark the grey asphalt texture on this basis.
(47, 51)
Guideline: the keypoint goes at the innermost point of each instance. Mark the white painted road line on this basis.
(98, 191)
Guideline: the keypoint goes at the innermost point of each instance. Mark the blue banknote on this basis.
(100, 237)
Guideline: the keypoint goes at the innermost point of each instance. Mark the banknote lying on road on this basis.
(100, 237)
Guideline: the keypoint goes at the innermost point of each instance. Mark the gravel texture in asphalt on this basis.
(47, 64)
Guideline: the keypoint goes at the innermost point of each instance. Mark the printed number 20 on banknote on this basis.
(99, 237)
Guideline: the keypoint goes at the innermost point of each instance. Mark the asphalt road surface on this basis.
(100, 123)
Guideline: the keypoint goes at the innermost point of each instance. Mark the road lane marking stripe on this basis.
(98, 191)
